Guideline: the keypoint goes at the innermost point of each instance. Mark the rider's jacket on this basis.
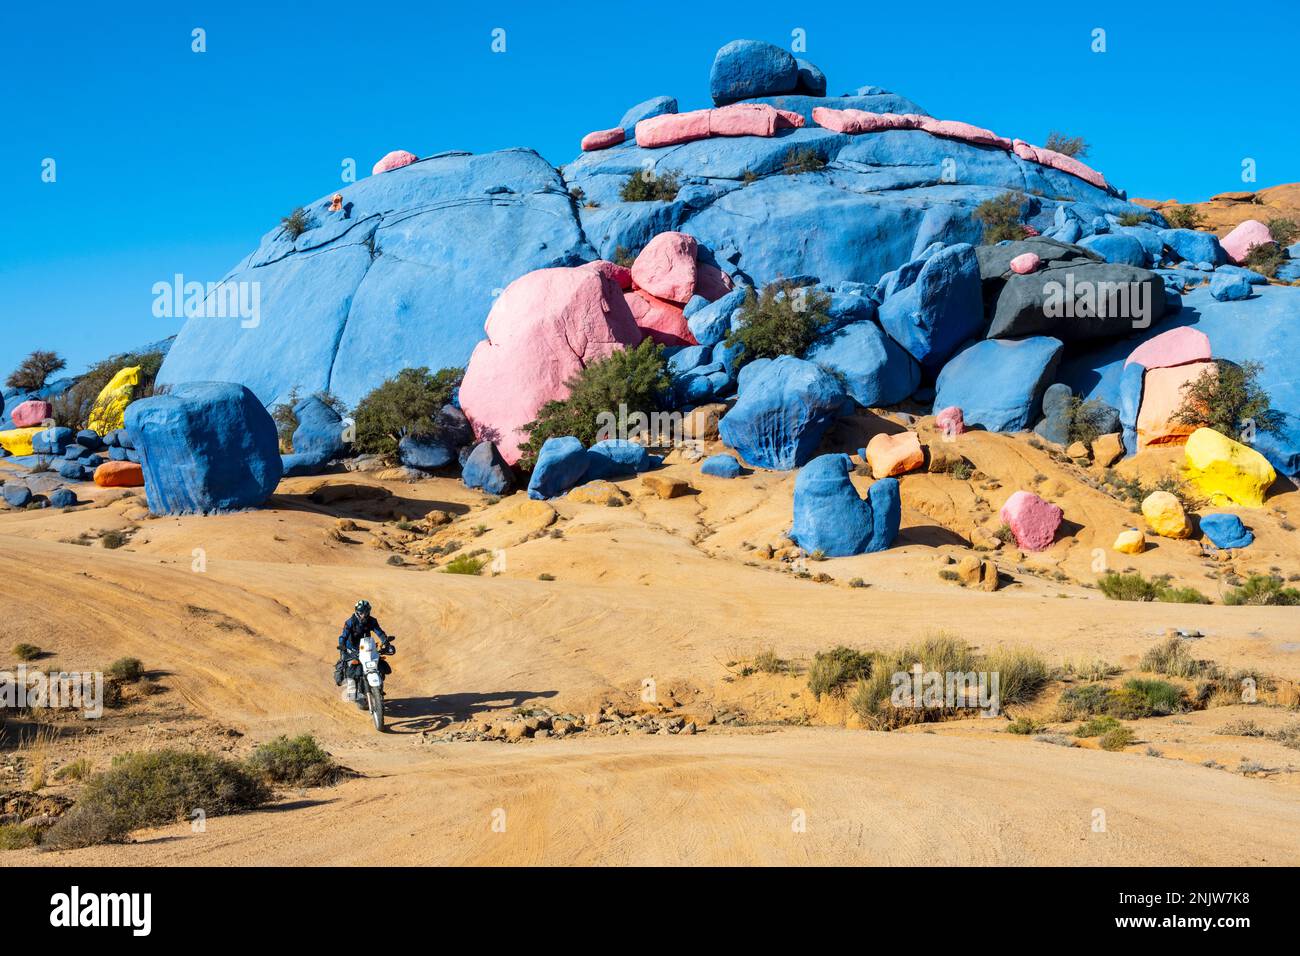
(355, 628)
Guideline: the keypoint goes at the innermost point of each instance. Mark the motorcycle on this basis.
(368, 690)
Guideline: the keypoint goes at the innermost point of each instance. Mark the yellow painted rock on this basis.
(18, 441)
(1227, 470)
(1165, 515)
(1130, 542)
(110, 404)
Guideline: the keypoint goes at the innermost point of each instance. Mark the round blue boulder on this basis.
(747, 68)
(1226, 531)
(721, 466)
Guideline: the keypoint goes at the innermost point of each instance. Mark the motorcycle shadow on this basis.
(421, 714)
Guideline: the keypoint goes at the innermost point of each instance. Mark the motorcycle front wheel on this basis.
(376, 695)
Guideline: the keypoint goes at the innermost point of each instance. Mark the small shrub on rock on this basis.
(406, 404)
(296, 223)
(1000, 217)
(805, 160)
(645, 186)
(1226, 398)
(1074, 146)
(1183, 217)
(464, 564)
(783, 320)
(832, 670)
(33, 371)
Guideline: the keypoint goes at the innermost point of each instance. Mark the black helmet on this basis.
(363, 607)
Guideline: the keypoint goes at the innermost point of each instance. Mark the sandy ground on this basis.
(237, 615)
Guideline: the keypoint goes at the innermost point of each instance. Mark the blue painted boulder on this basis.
(1226, 531)
(831, 518)
(711, 323)
(52, 441)
(425, 453)
(485, 469)
(811, 80)
(561, 464)
(320, 430)
(1229, 287)
(744, 69)
(1193, 246)
(998, 383)
(62, 498)
(89, 438)
(615, 458)
(1116, 247)
(720, 466)
(874, 368)
(782, 410)
(942, 308)
(71, 470)
(16, 494)
(117, 453)
(655, 106)
(205, 448)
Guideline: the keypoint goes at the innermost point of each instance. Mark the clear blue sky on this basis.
(172, 161)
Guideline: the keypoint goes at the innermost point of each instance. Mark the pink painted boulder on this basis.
(546, 326)
(666, 267)
(711, 282)
(950, 421)
(1162, 396)
(1032, 520)
(1245, 237)
(32, 413)
(620, 274)
(394, 160)
(1066, 164)
(743, 119)
(1175, 347)
(669, 129)
(659, 319)
(860, 121)
(955, 129)
(603, 138)
(1025, 263)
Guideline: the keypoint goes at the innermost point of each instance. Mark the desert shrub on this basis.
(1284, 231)
(646, 186)
(78, 769)
(545, 577)
(1263, 589)
(636, 378)
(152, 789)
(1000, 217)
(1074, 146)
(1265, 258)
(769, 663)
(297, 761)
(406, 404)
(1134, 587)
(26, 652)
(1094, 670)
(1086, 419)
(465, 564)
(1242, 728)
(1116, 739)
(872, 700)
(783, 320)
(1183, 217)
(1149, 697)
(857, 583)
(112, 539)
(1022, 673)
(832, 670)
(15, 836)
(1171, 657)
(1025, 726)
(73, 407)
(1133, 218)
(296, 223)
(33, 371)
(804, 160)
(1096, 726)
(1086, 700)
(286, 421)
(126, 669)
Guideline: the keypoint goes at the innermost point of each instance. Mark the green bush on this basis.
(1183, 217)
(465, 564)
(73, 407)
(1265, 258)
(296, 223)
(1225, 398)
(1086, 419)
(126, 669)
(153, 789)
(1134, 587)
(1133, 218)
(871, 698)
(1069, 145)
(297, 761)
(286, 421)
(805, 160)
(1085, 700)
(636, 378)
(33, 371)
(1284, 231)
(832, 670)
(1022, 673)
(1116, 739)
(26, 652)
(1096, 727)
(1025, 727)
(15, 836)
(769, 663)
(1263, 589)
(646, 186)
(1000, 217)
(783, 320)
(1156, 697)
(1172, 657)
(406, 404)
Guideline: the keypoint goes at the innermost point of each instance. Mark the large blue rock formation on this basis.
(998, 383)
(205, 447)
(874, 368)
(782, 410)
(939, 309)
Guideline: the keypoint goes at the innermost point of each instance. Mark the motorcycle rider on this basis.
(359, 625)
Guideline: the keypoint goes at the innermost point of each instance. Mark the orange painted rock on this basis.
(890, 455)
(119, 474)
(1162, 396)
